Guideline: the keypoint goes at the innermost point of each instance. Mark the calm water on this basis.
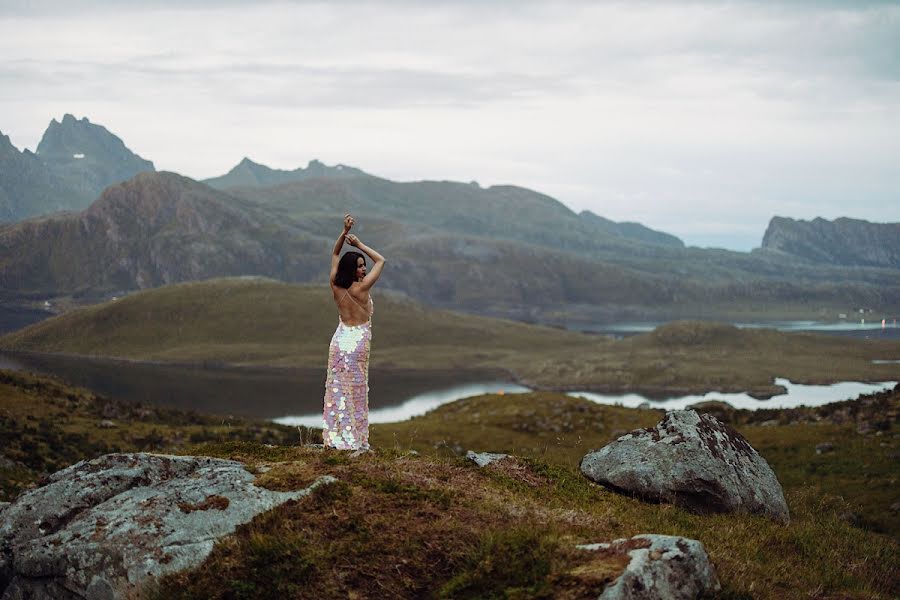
(251, 392)
(857, 329)
(796, 395)
(294, 396)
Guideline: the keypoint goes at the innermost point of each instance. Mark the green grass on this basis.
(263, 322)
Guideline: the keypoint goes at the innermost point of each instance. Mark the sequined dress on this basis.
(346, 413)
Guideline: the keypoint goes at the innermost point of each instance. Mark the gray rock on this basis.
(100, 528)
(694, 461)
(660, 566)
(483, 459)
(824, 447)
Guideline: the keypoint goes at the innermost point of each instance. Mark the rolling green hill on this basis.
(258, 321)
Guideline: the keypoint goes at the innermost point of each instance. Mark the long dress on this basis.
(346, 412)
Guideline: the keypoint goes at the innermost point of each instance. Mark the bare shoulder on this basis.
(358, 292)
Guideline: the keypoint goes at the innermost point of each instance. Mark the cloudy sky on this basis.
(699, 119)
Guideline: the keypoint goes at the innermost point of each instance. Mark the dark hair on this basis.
(346, 271)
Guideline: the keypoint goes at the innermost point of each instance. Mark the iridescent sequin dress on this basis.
(346, 413)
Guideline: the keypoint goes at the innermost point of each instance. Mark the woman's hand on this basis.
(353, 240)
(348, 222)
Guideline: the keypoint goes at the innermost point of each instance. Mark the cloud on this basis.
(686, 115)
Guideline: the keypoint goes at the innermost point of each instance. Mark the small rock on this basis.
(895, 507)
(824, 447)
(769, 423)
(107, 424)
(658, 566)
(644, 406)
(482, 459)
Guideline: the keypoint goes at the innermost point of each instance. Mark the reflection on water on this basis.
(249, 392)
(796, 395)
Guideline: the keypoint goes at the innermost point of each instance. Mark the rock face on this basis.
(839, 242)
(659, 566)
(692, 460)
(100, 528)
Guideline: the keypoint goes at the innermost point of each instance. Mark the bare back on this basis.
(353, 304)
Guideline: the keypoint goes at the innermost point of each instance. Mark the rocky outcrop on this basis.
(839, 242)
(483, 459)
(100, 528)
(692, 460)
(656, 566)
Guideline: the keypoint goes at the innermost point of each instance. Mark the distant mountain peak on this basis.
(250, 173)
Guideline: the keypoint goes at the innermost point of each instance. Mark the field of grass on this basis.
(257, 321)
(415, 519)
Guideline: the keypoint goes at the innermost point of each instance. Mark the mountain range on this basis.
(502, 250)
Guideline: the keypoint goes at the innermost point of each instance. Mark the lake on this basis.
(294, 396)
(239, 391)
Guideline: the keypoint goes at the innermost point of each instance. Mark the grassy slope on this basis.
(407, 525)
(260, 321)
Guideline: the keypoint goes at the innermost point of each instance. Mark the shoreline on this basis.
(652, 393)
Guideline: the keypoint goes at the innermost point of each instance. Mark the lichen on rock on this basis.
(102, 527)
(692, 460)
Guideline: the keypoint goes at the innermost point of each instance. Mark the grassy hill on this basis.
(257, 321)
(415, 519)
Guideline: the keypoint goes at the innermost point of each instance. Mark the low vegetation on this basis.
(415, 519)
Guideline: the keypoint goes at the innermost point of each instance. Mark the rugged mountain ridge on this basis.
(840, 242)
(249, 173)
(162, 228)
(74, 162)
(154, 229)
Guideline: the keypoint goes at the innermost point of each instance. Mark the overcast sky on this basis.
(700, 119)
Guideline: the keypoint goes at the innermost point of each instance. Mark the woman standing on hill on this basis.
(346, 412)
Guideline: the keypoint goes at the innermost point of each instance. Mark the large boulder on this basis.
(100, 528)
(692, 460)
(655, 566)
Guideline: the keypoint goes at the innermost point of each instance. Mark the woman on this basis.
(346, 412)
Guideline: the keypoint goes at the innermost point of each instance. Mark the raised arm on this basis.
(373, 275)
(336, 252)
